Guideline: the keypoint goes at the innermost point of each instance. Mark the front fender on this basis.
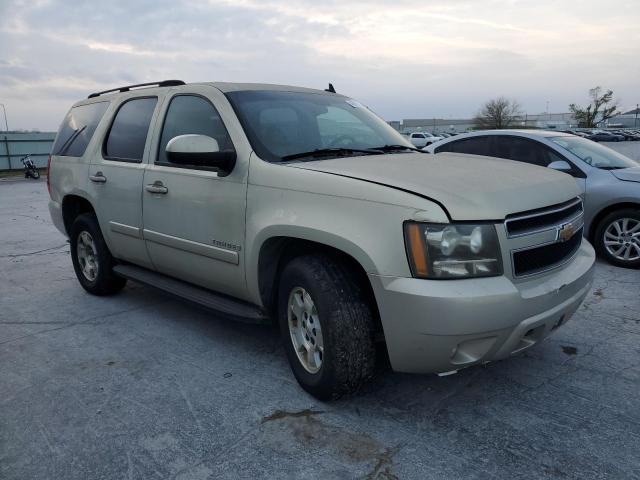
(371, 233)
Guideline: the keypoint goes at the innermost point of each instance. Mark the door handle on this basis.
(98, 178)
(156, 187)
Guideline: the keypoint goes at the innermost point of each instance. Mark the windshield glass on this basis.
(283, 124)
(594, 154)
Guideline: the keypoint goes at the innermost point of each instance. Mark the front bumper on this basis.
(445, 325)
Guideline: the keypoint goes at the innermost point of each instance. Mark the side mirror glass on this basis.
(560, 165)
(200, 151)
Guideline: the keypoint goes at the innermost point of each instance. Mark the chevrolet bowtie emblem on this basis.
(566, 231)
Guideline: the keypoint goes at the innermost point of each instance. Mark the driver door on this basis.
(194, 218)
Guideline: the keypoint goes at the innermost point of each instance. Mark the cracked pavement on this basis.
(144, 386)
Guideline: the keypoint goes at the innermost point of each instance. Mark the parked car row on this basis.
(598, 135)
(609, 182)
(424, 139)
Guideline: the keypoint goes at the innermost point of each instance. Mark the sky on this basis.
(402, 58)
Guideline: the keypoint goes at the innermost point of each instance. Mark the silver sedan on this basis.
(610, 182)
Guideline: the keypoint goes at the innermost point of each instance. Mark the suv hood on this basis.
(631, 174)
(469, 187)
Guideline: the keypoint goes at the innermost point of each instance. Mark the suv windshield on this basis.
(594, 154)
(286, 125)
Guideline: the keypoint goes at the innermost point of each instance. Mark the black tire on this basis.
(105, 282)
(600, 236)
(35, 174)
(346, 320)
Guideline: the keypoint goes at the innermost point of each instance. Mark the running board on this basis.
(210, 300)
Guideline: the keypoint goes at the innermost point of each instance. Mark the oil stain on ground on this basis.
(304, 428)
(569, 350)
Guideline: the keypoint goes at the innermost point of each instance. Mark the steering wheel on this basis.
(344, 140)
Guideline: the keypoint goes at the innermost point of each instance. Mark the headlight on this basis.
(453, 250)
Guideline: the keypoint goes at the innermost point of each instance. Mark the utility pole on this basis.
(635, 122)
(5, 117)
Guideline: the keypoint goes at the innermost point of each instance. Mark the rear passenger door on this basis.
(194, 228)
(478, 145)
(116, 174)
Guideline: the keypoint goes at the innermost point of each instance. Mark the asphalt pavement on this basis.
(145, 386)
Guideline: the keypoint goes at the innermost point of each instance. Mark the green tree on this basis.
(497, 113)
(602, 107)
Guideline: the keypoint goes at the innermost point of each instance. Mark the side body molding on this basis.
(217, 253)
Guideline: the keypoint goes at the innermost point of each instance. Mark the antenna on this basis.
(330, 89)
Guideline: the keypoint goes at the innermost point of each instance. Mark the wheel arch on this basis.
(276, 251)
(72, 206)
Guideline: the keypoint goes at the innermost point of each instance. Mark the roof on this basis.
(227, 87)
(538, 133)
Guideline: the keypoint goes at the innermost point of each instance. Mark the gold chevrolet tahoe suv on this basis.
(302, 206)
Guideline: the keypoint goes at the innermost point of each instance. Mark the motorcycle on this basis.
(30, 169)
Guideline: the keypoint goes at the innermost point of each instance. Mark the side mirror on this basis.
(200, 151)
(560, 165)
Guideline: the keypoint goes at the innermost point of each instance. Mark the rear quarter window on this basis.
(77, 129)
(128, 133)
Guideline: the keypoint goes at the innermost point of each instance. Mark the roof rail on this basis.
(163, 83)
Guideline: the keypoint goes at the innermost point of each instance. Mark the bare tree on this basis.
(500, 112)
(602, 107)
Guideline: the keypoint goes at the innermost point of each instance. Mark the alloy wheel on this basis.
(87, 256)
(305, 329)
(622, 239)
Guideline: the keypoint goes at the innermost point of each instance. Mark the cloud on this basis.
(408, 58)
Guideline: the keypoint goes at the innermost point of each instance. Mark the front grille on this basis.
(543, 218)
(539, 259)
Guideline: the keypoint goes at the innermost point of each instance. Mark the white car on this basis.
(423, 139)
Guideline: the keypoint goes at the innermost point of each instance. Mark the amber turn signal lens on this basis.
(417, 249)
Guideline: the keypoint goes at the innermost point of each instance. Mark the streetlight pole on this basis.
(635, 122)
(5, 117)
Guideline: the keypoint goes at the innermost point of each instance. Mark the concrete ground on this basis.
(142, 386)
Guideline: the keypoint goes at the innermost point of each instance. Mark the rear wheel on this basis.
(617, 238)
(91, 258)
(326, 326)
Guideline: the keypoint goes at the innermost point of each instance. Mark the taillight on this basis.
(49, 175)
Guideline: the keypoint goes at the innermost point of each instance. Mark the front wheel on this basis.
(35, 174)
(617, 238)
(327, 326)
(91, 258)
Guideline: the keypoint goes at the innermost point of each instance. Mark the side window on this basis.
(128, 134)
(472, 145)
(554, 156)
(521, 150)
(191, 114)
(417, 135)
(77, 129)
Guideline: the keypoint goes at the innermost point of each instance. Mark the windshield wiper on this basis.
(393, 148)
(611, 167)
(338, 151)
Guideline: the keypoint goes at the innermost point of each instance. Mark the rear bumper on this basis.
(439, 326)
